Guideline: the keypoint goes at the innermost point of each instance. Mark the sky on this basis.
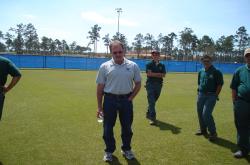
(71, 20)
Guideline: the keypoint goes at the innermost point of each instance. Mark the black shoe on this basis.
(212, 137)
(200, 132)
(240, 154)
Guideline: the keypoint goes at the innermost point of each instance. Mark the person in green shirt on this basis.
(240, 86)
(155, 73)
(7, 68)
(210, 81)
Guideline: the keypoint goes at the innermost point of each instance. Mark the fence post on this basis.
(19, 61)
(64, 64)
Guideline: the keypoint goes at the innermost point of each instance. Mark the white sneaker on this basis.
(128, 154)
(107, 157)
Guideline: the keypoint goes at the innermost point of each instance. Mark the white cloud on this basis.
(29, 17)
(54, 33)
(98, 18)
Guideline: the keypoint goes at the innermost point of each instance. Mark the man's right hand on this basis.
(5, 89)
(99, 112)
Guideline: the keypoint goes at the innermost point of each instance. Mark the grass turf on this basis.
(50, 119)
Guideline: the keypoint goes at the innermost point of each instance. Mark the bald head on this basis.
(115, 43)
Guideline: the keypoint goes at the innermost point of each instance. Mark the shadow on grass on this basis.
(229, 145)
(133, 162)
(115, 161)
(248, 158)
(1, 163)
(166, 126)
(226, 144)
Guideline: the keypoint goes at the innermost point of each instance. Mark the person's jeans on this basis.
(153, 93)
(1, 103)
(205, 107)
(124, 107)
(242, 123)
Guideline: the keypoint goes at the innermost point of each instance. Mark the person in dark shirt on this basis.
(7, 68)
(210, 81)
(155, 73)
(240, 86)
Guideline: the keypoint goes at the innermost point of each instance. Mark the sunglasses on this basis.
(119, 52)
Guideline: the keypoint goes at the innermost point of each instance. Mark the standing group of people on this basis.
(119, 81)
(210, 81)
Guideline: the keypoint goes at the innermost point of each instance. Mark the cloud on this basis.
(55, 33)
(98, 18)
(29, 17)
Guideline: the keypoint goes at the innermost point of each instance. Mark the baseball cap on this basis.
(247, 51)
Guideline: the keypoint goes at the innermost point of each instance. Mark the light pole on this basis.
(119, 10)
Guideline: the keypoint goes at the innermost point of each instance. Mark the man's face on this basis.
(155, 56)
(247, 59)
(117, 53)
(207, 62)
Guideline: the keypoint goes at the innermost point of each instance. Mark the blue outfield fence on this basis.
(82, 63)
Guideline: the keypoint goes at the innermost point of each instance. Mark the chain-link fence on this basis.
(83, 63)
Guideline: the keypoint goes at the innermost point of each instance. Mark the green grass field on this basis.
(50, 119)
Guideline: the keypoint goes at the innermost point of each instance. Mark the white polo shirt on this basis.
(118, 79)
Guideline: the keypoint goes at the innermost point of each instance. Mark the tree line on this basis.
(183, 46)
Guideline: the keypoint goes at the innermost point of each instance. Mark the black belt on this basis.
(241, 98)
(123, 96)
(208, 93)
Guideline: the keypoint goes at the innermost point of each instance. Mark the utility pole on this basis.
(118, 10)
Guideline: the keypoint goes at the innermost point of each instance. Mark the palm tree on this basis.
(94, 35)
(186, 39)
(166, 41)
(149, 41)
(241, 38)
(30, 38)
(18, 42)
(139, 40)
(106, 41)
(122, 38)
(8, 40)
(172, 37)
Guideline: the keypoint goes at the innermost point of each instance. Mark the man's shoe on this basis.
(128, 154)
(107, 157)
(152, 122)
(239, 154)
(200, 132)
(212, 137)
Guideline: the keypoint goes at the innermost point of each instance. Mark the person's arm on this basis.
(219, 87)
(99, 95)
(234, 85)
(220, 82)
(13, 82)
(136, 89)
(162, 74)
(158, 75)
(234, 95)
(199, 75)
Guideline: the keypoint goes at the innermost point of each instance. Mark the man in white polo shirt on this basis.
(119, 81)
